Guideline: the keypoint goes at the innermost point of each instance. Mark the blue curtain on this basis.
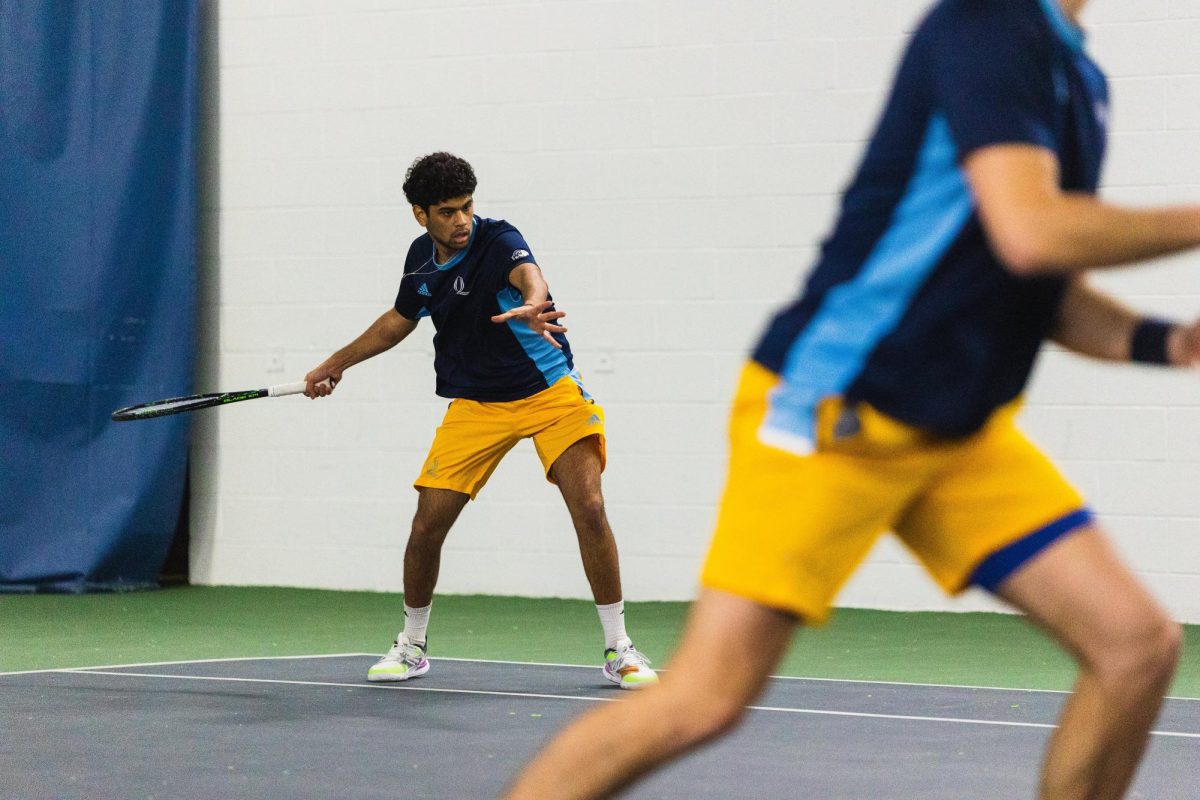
(98, 216)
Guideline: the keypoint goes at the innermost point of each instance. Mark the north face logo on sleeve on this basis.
(520, 254)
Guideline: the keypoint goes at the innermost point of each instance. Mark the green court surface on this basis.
(42, 631)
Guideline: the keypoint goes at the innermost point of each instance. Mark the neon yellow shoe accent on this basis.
(625, 666)
(402, 662)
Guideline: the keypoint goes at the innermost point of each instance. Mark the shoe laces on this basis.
(628, 655)
(404, 650)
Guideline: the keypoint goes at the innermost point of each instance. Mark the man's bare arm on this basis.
(385, 333)
(530, 283)
(1097, 325)
(1035, 228)
(536, 313)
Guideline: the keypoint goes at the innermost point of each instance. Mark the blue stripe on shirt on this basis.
(855, 316)
(550, 361)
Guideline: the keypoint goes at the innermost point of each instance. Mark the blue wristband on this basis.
(1149, 343)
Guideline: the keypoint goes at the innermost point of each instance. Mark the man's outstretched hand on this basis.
(539, 319)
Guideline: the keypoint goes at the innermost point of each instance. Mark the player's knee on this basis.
(1146, 653)
(703, 715)
(589, 510)
(1167, 647)
(424, 538)
(718, 716)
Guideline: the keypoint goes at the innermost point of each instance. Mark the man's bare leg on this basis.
(577, 473)
(1127, 648)
(657, 724)
(437, 509)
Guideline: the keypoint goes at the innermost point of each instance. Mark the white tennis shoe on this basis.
(405, 660)
(625, 666)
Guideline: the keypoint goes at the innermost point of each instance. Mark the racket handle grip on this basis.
(298, 387)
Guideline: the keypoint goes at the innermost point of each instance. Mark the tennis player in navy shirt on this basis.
(505, 363)
(883, 399)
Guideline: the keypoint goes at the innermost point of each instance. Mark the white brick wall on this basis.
(674, 164)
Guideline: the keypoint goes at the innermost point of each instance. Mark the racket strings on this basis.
(171, 406)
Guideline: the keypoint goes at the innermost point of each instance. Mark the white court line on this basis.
(553, 664)
(184, 661)
(394, 687)
(364, 685)
(796, 678)
(1003, 723)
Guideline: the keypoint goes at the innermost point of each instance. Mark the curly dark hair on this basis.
(437, 177)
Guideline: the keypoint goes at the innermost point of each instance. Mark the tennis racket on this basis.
(178, 405)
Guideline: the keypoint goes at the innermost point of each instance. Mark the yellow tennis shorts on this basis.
(474, 435)
(793, 527)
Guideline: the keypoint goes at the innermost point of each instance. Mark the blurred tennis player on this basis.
(504, 361)
(884, 398)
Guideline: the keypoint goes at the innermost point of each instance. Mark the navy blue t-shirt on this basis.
(908, 308)
(474, 357)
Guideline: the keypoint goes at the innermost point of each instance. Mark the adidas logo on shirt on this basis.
(425, 290)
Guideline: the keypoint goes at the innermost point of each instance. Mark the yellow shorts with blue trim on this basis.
(474, 435)
(793, 527)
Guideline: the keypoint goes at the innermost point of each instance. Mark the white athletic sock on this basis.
(612, 619)
(416, 620)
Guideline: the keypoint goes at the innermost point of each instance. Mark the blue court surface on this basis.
(311, 727)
